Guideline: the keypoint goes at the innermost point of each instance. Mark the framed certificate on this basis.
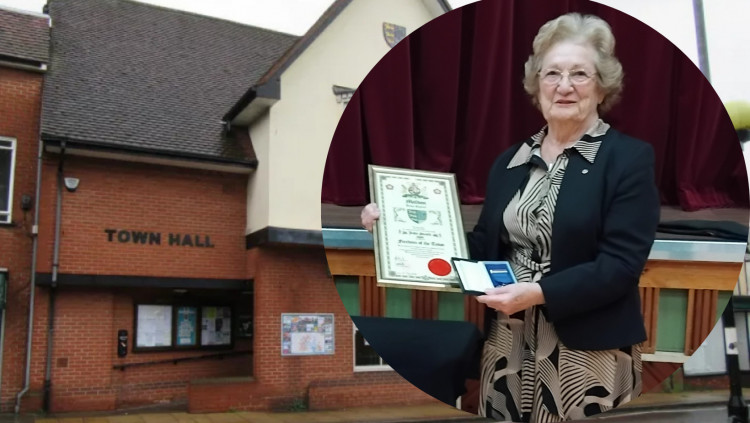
(420, 228)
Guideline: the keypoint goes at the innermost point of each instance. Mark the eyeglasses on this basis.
(575, 76)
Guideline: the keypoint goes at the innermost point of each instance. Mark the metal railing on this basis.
(215, 356)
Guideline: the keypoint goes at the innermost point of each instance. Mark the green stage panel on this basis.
(670, 335)
(348, 288)
(724, 297)
(398, 303)
(670, 332)
(450, 306)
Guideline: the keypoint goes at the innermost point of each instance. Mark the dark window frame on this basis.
(11, 144)
(382, 366)
(198, 346)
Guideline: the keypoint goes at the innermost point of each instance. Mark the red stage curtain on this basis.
(449, 98)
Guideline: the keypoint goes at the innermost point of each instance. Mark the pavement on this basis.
(436, 412)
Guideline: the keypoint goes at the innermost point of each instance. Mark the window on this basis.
(3, 288)
(365, 357)
(170, 327)
(7, 167)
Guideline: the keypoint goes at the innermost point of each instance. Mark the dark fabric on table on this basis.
(436, 356)
(731, 231)
(449, 98)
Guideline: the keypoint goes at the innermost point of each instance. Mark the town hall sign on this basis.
(155, 238)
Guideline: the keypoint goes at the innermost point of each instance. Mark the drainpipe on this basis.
(2, 337)
(53, 284)
(32, 282)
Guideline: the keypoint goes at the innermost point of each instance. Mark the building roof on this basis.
(135, 77)
(273, 73)
(318, 27)
(24, 36)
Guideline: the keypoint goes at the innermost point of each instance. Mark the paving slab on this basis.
(228, 417)
(157, 418)
(197, 418)
(134, 418)
(646, 403)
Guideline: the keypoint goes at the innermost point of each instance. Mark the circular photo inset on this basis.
(543, 208)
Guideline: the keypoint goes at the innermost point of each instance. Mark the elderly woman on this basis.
(574, 209)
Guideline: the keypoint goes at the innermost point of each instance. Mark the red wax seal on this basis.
(439, 267)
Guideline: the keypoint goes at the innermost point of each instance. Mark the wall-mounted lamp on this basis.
(71, 184)
(343, 94)
(27, 202)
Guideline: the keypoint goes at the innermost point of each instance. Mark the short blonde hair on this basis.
(587, 30)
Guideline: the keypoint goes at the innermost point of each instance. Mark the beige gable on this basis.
(291, 139)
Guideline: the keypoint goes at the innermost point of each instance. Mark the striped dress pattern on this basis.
(528, 375)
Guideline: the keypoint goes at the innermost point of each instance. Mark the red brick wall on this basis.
(360, 390)
(83, 377)
(295, 280)
(168, 382)
(118, 195)
(372, 389)
(149, 198)
(32, 401)
(20, 95)
(141, 197)
(83, 344)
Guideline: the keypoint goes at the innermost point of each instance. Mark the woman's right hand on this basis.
(369, 215)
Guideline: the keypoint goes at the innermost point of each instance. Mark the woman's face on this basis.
(569, 100)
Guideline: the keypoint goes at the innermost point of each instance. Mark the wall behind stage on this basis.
(449, 98)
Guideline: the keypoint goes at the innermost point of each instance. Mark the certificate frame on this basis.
(419, 230)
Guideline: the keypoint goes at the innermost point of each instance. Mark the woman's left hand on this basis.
(513, 298)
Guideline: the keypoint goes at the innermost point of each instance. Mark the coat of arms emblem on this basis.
(393, 33)
(416, 216)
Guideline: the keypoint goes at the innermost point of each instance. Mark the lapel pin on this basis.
(585, 171)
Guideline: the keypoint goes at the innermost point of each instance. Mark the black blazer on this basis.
(604, 226)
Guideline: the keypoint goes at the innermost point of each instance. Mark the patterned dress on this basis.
(528, 375)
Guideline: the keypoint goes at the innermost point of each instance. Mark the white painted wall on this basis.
(727, 34)
(302, 123)
(679, 28)
(258, 185)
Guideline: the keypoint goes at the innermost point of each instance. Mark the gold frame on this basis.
(447, 217)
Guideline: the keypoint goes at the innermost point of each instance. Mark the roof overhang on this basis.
(262, 96)
(23, 63)
(55, 144)
(254, 103)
